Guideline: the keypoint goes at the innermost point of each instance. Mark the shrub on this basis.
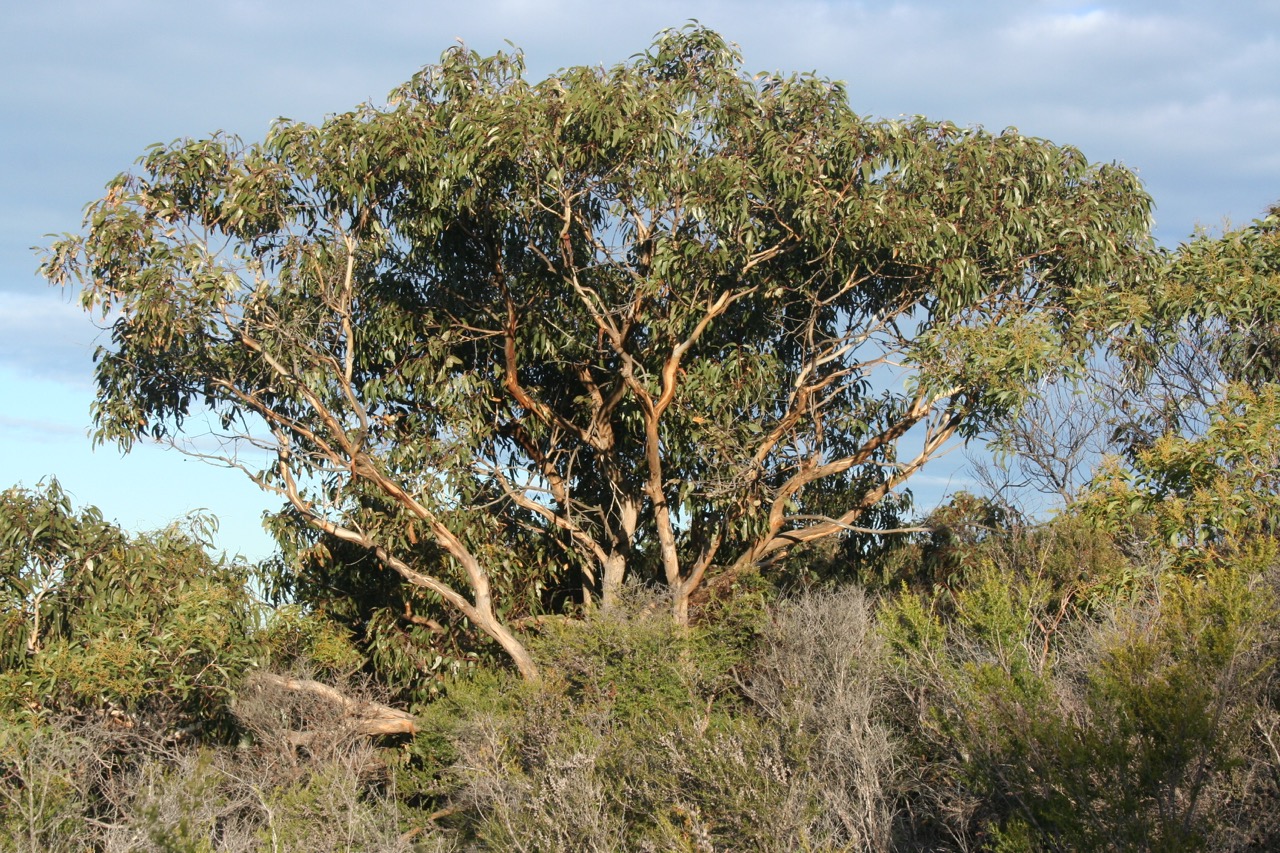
(1100, 734)
(819, 678)
(651, 737)
(99, 622)
(71, 785)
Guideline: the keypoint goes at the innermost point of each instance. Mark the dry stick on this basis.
(369, 718)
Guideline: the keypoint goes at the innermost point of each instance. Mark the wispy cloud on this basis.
(44, 336)
(32, 429)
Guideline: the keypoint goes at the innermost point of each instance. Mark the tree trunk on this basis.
(680, 603)
(614, 575)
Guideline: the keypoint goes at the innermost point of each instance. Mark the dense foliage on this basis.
(147, 628)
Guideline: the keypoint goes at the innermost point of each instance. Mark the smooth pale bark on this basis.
(361, 715)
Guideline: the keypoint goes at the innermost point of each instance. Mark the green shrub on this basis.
(1097, 734)
(647, 736)
(101, 622)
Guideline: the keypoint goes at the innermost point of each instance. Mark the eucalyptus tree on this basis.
(664, 320)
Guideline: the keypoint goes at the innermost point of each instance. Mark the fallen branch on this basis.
(366, 718)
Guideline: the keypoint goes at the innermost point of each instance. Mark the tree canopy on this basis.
(520, 341)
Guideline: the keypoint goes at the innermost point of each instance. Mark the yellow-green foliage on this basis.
(1206, 496)
(1086, 733)
(145, 625)
(293, 638)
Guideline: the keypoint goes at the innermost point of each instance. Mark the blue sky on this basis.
(1185, 93)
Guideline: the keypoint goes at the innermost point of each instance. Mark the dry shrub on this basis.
(249, 800)
(819, 677)
(540, 773)
(307, 723)
(641, 740)
(304, 781)
(46, 774)
(726, 784)
(554, 796)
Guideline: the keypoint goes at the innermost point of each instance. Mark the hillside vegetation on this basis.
(593, 406)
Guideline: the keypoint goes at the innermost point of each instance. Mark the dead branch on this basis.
(364, 717)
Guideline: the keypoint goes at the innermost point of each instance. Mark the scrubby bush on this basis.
(68, 786)
(652, 737)
(42, 788)
(819, 678)
(1106, 728)
(149, 629)
(584, 760)
(1037, 686)
(128, 718)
